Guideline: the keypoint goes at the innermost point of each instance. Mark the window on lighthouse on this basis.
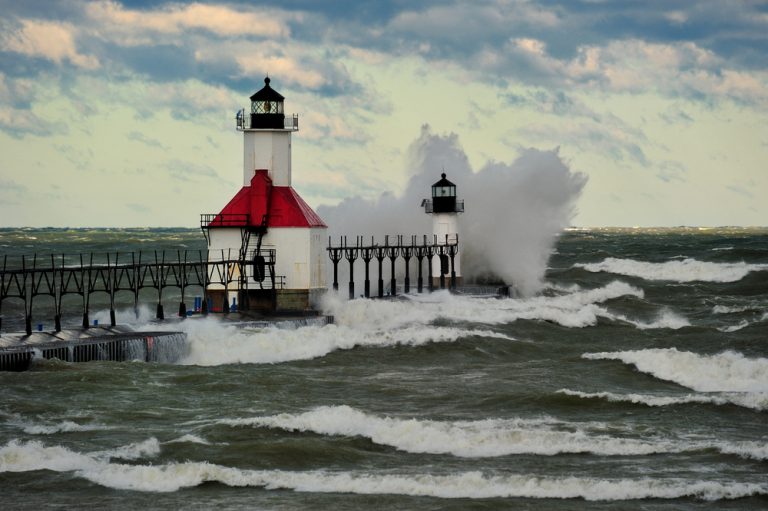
(266, 107)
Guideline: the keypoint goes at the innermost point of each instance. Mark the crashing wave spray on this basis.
(514, 212)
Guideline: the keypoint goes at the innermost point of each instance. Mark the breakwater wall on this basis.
(119, 344)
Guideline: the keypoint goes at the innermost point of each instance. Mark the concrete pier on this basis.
(18, 351)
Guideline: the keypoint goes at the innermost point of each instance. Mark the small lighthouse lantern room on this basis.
(444, 207)
(267, 108)
(443, 196)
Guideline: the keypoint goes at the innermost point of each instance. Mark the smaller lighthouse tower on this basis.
(444, 208)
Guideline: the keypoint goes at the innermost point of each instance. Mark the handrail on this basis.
(208, 220)
(243, 121)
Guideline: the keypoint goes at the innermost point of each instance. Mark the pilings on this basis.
(395, 249)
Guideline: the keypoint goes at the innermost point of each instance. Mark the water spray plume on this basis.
(514, 212)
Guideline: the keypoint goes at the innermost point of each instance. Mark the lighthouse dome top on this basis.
(267, 93)
(443, 188)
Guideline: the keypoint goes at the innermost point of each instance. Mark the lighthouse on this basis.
(274, 240)
(444, 208)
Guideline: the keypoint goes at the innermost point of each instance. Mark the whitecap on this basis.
(728, 371)
(686, 270)
(481, 438)
(30, 456)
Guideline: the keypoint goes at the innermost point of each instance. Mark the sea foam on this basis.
(24, 457)
(728, 371)
(409, 321)
(483, 438)
(754, 400)
(686, 270)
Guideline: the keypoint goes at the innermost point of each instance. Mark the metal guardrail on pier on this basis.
(30, 276)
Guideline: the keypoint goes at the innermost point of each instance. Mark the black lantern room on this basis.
(444, 197)
(267, 109)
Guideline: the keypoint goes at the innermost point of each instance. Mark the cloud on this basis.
(141, 138)
(49, 40)
(189, 171)
(10, 186)
(138, 208)
(741, 191)
(555, 102)
(610, 138)
(669, 171)
(79, 157)
(175, 19)
(19, 123)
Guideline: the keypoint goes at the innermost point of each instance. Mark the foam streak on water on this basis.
(687, 270)
(484, 438)
(728, 371)
(32, 456)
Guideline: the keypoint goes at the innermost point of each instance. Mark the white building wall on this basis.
(224, 239)
(442, 224)
(318, 257)
(300, 255)
(224, 244)
(267, 149)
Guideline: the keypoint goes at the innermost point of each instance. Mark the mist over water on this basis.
(513, 211)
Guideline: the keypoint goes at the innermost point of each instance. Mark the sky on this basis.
(122, 114)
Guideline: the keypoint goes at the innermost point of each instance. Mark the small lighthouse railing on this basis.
(429, 207)
(243, 121)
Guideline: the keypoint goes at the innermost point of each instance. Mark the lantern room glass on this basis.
(443, 191)
(266, 107)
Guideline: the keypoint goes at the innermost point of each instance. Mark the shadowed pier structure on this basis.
(30, 277)
(396, 249)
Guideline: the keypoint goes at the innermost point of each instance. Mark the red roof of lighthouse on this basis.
(288, 209)
(283, 206)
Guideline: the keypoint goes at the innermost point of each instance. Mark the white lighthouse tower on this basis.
(267, 223)
(444, 208)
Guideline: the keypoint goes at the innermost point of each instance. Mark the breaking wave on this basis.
(408, 321)
(483, 438)
(665, 319)
(686, 270)
(170, 477)
(756, 401)
(216, 344)
(745, 380)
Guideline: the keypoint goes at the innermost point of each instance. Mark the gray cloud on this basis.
(143, 139)
(189, 171)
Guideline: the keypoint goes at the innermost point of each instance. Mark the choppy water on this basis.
(637, 380)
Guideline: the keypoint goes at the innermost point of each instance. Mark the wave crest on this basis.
(25, 457)
(686, 270)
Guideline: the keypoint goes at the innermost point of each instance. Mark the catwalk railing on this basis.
(28, 277)
(394, 249)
